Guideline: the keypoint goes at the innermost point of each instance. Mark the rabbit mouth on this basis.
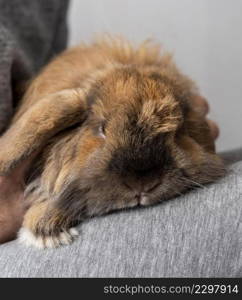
(142, 199)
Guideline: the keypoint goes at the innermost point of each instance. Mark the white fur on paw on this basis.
(26, 237)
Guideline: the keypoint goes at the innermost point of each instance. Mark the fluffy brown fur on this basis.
(117, 128)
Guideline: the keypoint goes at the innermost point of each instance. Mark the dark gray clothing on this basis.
(31, 32)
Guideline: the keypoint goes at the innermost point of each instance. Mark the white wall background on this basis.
(204, 35)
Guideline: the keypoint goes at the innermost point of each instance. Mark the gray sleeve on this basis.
(31, 32)
(196, 235)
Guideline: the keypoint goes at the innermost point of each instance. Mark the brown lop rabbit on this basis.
(117, 128)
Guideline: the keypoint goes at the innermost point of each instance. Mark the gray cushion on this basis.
(196, 235)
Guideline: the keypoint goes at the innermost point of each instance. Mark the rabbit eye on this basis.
(101, 131)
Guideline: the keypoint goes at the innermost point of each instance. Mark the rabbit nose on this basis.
(136, 186)
(140, 187)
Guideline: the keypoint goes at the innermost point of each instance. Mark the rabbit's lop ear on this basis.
(39, 123)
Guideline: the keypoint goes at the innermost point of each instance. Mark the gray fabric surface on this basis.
(196, 235)
(232, 156)
(31, 32)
